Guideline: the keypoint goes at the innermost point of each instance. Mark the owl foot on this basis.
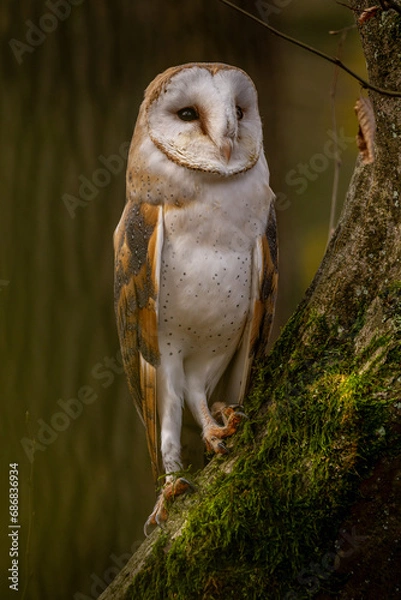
(169, 491)
(214, 434)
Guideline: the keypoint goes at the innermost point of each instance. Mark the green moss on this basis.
(316, 425)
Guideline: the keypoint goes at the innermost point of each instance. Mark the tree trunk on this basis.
(324, 415)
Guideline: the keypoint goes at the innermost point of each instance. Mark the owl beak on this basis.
(226, 149)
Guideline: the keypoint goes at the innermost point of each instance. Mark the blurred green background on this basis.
(72, 78)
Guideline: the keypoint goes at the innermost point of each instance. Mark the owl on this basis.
(195, 260)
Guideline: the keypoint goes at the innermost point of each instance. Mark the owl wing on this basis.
(138, 242)
(234, 382)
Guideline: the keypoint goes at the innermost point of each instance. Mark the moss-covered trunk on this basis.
(324, 412)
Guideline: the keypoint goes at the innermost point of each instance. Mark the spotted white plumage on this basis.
(195, 257)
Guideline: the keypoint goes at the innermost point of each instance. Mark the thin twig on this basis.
(335, 61)
(347, 6)
(337, 158)
(338, 31)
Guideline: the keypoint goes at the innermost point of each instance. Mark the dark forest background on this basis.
(72, 78)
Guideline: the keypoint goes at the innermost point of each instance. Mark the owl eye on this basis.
(240, 113)
(189, 113)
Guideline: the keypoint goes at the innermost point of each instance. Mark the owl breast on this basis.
(204, 296)
(206, 279)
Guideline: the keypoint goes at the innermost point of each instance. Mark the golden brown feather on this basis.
(135, 292)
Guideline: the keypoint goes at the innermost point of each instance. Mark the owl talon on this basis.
(214, 434)
(169, 491)
(222, 448)
(228, 415)
(232, 416)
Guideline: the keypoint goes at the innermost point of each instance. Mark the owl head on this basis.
(203, 117)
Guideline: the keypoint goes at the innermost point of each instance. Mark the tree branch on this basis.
(335, 61)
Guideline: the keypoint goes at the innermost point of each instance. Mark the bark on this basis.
(324, 415)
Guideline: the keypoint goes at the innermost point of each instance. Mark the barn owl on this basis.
(195, 259)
